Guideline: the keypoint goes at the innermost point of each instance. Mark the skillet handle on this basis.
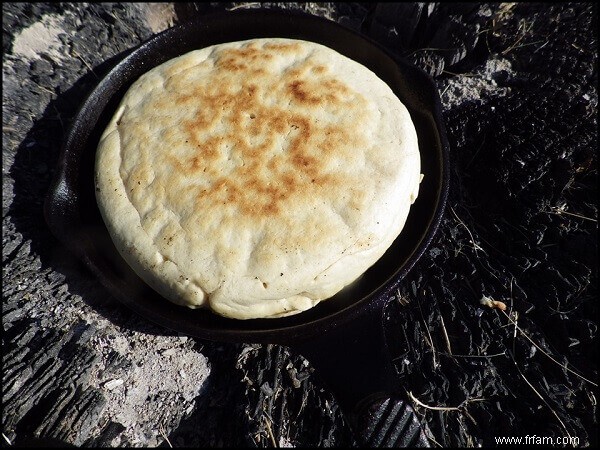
(353, 360)
(387, 421)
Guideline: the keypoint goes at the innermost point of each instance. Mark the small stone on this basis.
(110, 385)
(168, 352)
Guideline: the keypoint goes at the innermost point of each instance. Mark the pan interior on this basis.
(413, 88)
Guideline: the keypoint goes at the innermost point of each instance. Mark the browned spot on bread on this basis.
(292, 48)
(335, 87)
(251, 141)
(319, 70)
(232, 64)
(300, 93)
(322, 91)
(243, 58)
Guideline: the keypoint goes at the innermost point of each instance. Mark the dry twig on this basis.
(444, 408)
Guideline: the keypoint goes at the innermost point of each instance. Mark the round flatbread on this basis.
(258, 177)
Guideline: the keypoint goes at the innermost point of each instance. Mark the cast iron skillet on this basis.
(343, 336)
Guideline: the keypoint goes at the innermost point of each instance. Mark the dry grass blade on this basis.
(270, 431)
(164, 435)
(542, 399)
(86, 64)
(430, 340)
(525, 378)
(430, 437)
(425, 49)
(245, 6)
(43, 88)
(556, 210)
(444, 91)
(452, 355)
(475, 246)
(544, 352)
(524, 27)
(6, 439)
(446, 335)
